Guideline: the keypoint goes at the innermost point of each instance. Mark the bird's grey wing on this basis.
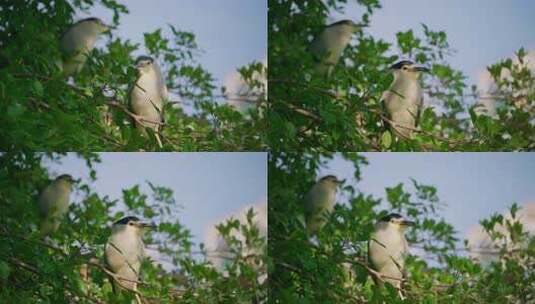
(311, 206)
(165, 96)
(384, 110)
(384, 97)
(317, 48)
(129, 102)
(163, 87)
(371, 264)
(114, 286)
(419, 111)
(67, 43)
(45, 201)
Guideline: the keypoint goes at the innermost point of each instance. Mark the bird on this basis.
(124, 252)
(76, 43)
(148, 96)
(327, 47)
(319, 201)
(403, 101)
(387, 249)
(54, 203)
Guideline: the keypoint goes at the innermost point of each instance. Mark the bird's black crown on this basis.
(327, 177)
(144, 58)
(65, 176)
(390, 216)
(91, 19)
(343, 22)
(125, 220)
(400, 64)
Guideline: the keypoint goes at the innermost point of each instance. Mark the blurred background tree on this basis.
(69, 267)
(343, 112)
(333, 267)
(44, 111)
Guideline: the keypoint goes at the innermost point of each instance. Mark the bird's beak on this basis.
(421, 69)
(407, 223)
(147, 225)
(110, 27)
(357, 28)
(339, 182)
(107, 29)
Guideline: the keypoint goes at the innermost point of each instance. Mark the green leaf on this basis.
(37, 88)
(386, 140)
(5, 270)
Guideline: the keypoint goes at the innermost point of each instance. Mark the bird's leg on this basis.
(158, 140)
(138, 299)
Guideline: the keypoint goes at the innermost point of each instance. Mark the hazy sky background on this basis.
(482, 31)
(473, 185)
(232, 33)
(209, 186)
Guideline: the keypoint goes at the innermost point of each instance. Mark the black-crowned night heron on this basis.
(403, 101)
(76, 43)
(54, 203)
(148, 96)
(329, 45)
(387, 249)
(125, 251)
(319, 202)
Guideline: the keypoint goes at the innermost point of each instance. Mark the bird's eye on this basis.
(404, 67)
(149, 62)
(130, 223)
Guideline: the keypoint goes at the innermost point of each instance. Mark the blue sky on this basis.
(232, 33)
(473, 185)
(482, 31)
(209, 186)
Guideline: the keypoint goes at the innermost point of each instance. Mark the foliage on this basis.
(343, 112)
(33, 270)
(333, 267)
(44, 111)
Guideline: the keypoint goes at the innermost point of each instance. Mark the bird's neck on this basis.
(327, 186)
(125, 232)
(64, 185)
(386, 228)
(340, 36)
(90, 34)
(405, 77)
(404, 82)
(147, 78)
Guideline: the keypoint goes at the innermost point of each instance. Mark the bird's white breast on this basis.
(402, 101)
(403, 93)
(388, 247)
(146, 99)
(130, 250)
